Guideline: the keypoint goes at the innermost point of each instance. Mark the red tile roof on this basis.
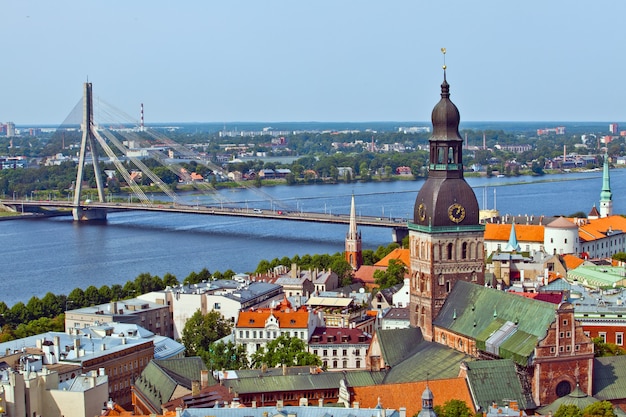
(523, 232)
(287, 317)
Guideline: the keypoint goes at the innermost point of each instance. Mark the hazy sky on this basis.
(322, 60)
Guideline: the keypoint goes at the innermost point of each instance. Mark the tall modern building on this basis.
(446, 239)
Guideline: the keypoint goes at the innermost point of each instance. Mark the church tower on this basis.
(446, 239)
(354, 254)
(606, 197)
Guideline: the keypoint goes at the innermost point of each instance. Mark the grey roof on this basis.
(609, 378)
(252, 291)
(496, 381)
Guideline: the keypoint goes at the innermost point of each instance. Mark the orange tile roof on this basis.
(403, 255)
(288, 318)
(523, 232)
(596, 228)
(572, 261)
(397, 395)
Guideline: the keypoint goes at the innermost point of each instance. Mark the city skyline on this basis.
(280, 61)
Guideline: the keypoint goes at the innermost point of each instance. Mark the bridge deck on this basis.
(211, 210)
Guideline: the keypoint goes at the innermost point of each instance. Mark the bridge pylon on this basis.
(81, 210)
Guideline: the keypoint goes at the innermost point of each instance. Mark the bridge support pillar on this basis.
(83, 214)
(399, 233)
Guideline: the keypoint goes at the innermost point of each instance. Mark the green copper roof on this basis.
(605, 194)
(430, 361)
(398, 344)
(496, 381)
(478, 312)
(609, 378)
(596, 275)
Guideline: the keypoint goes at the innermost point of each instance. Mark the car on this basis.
(257, 211)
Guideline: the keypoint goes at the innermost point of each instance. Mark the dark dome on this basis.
(437, 196)
(445, 117)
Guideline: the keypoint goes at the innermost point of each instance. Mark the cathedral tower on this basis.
(446, 239)
(354, 254)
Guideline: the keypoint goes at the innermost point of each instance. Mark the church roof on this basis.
(609, 378)
(594, 212)
(479, 313)
(496, 381)
(595, 229)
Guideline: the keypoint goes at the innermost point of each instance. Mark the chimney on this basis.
(279, 405)
(179, 411)
(253, 404)
(195, 388)
(321, 402)
(355, 405)
(284, 369)
(204, 378)
(77, 347)
(402, 411)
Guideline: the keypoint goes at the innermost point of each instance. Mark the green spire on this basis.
(606, 194)
(512, 245)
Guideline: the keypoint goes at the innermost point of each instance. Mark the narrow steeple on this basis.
(354, 254)
(512, 245)
(606, 197)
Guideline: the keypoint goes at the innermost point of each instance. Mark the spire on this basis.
(512, 245)
(606, 203)
(354, 254)
(352, 232)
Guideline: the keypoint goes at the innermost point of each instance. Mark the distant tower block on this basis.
(84, 212)
(354, 254)
(141, 126)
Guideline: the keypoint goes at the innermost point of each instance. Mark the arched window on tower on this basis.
(464, 250)
(451, 155)
(450, 248)
(441, 155)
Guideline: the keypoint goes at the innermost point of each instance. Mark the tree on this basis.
(284, 350)
(599, 409)
(203, 329)
(394, 274)
(568, 410)
(343, 269)
(222, 355)
(453, 408)
(601, 348)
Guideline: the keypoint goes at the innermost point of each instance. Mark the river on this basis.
(59, 255)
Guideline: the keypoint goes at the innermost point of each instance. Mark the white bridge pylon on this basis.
(92, 133)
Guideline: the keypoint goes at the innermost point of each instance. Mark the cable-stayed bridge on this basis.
(96, 138)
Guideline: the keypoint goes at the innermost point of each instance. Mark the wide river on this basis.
(59, 255)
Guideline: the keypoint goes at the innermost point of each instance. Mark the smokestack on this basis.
(141, 126)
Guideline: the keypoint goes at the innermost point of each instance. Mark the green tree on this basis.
(568, 410)
(343, 269)
(222, 355)
(620, 256)
(284, 350)
(601, 348)
(599, 409)
(169, 280)
(203, 329)
(453, 408)
(394, 274)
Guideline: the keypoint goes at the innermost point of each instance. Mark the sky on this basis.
(324, 60)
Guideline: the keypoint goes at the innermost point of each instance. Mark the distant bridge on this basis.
(43, 208)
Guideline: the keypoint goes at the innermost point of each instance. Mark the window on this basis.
(619, 339)
(315, 352)
(345, 364)
(561, 335)
(568, 334)
(602, 335)
(345, 353)
(334, 352)
(358, 363)
(217, 306)
(552, 349)
(564, 322)
(325, 352)
(334, 364)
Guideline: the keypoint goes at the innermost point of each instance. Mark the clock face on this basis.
(421, 211)
(456, 213)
